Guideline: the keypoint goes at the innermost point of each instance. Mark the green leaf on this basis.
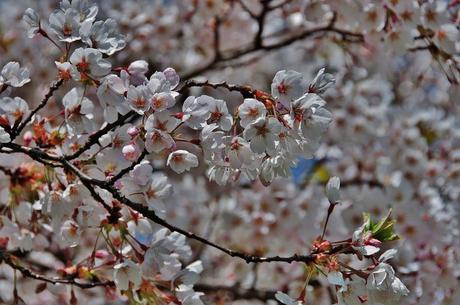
(383, 230)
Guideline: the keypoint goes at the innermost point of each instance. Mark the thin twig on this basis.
(94, 138)
(21, 126)
(10, 260)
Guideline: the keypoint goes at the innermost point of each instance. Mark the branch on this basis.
(246, 91)
(247, 9)
(236, 292)
(42, 104)
(217, 53)
(6, 171)
(11, 261)
(253, 47)
(129, 168)
(150, 214)
(261, 24)
(357, 181)
(94, 138)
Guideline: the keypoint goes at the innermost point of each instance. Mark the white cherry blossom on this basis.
(32, 20)
(219, 114)
(103, 35)
(157, 140)
(138, 98)
(4, 136)
(13, 110)
(157, 191)
(70, 232)
(250, 110)
(262, 135)
(13, 75)
(78, 111)
(126, 274)
(288, 86)
(181, 161)
(88, 64)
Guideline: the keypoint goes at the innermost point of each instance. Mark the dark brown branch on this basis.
(244, 256)
(3, 88)
(358, 182)
(10, 260)
(329, 213)
(261, 23)
(421, 48)
(246, 91)
(245, 50)
(247, 9)
(90, 182)
(217, 53)
(237, 292)
(6, 171)
(94, 138)
(33, 153)
(42, 104)
(127, 169)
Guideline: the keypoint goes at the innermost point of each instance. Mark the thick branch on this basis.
(90, 182)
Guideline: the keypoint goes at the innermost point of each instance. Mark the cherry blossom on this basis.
(13, 110)
(285, 299)
(103, 35)
(32, 19)
(65, 24)
(288, 86)
(138, 98)
(126, 274)
(196, 111)
(250, 111)
(220, 114)
(4, 136)
(13, 75)
(78, 111)
(262, 134)
(181, 161)
(240, 152)
(88, 64)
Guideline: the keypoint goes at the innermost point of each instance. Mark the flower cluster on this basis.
(126, 180)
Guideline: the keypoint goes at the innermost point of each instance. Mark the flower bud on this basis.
(133, 131)
(27, 138)
(130, 152)
(333, 190)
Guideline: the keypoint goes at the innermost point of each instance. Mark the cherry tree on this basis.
(229, 152)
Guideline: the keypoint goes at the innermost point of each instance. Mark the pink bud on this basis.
(27, 138)
(101, 254)
(178, 115)
(133, 131)
(130, 152)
